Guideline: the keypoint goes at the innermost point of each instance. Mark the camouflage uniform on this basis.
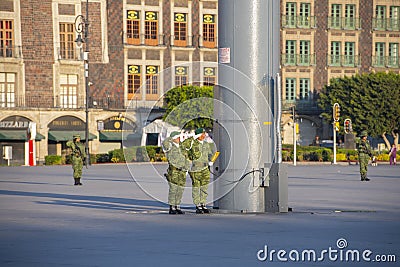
(364, 153)
(78, 157)
(176, 173)
(200, 153)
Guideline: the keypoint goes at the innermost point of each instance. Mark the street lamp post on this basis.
(82, 28)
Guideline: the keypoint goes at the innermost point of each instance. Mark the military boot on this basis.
(204, 208)
(199, 210)
(171, 210)
(79, 181)
(178, 210)
(76, 181)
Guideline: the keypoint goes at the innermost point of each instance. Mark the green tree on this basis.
(371, 101)
(189, 106)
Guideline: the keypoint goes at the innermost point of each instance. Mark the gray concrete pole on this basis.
(249, 60)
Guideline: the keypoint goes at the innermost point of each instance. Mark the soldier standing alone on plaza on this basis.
(364, 153)
(78, 156)
(176, 173)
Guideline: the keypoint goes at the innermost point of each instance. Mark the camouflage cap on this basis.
(175, 134)
(76, 136)
(199, 131)
(364, 133)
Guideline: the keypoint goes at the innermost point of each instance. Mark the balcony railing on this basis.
(302, 106)
(11, 51)
(344, 60)
(73, 53)
(209, 42)
(67, 102)
(390, 24)
(298, 60)
(298, 22)
(345, 23)
(386, 61)
(182, 41)
(144, 39)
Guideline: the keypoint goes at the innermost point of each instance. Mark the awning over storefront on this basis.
(61, 136)
(112, 136)
(17, 135)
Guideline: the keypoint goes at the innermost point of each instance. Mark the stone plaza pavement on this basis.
(119, 218)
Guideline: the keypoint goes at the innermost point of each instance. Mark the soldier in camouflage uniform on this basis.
(364, 153)
(200, 153)
(78, 157)
(176, 173)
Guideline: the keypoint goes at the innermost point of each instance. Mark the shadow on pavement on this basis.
(96, 202)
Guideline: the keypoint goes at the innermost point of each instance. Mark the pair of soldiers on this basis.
(364, 153)
(192, 155)
(78, 156)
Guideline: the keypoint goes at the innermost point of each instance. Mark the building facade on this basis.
(135, 49)
(327, 39)
(138, 49)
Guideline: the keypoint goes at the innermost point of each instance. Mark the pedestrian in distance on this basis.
(178, 166)
(78, 156)
(392, 155)
(364, 154)
(200, 151)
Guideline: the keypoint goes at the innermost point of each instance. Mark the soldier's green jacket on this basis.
(78, 157)
(78, 150)
(363, 147)
(175, 154)
(199, 152)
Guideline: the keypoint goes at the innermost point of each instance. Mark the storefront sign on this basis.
(118, 124)
(67, 123)
(14, 122)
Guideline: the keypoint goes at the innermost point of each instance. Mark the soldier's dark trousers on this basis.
(363, 158)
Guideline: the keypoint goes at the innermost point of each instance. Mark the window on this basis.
(305, 15)
(379, 54)
(68, 91)
(180, 28)
(290, 89)
(7, 89)
(181, 76)
(304, 53)
(335, 54)
(304, 89)
(393, 60)
(394, 21)
(134, 82)
(209, 39)
(336, 16)
(6, 38)
(349, 52)
(209, 76)
(380, 14)
(349, 20)
(67, 41)
(152, 82)
(151, 28)
(290, 52)
(133, 27)
(291, 14)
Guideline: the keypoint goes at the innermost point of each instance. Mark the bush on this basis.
(102, 158)
(132, 154)
(287, 155)
(141, 154)
(52, 160)
(116, 155)
(151, 152)
(93, 159)
(307, 153)
(327, 154)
